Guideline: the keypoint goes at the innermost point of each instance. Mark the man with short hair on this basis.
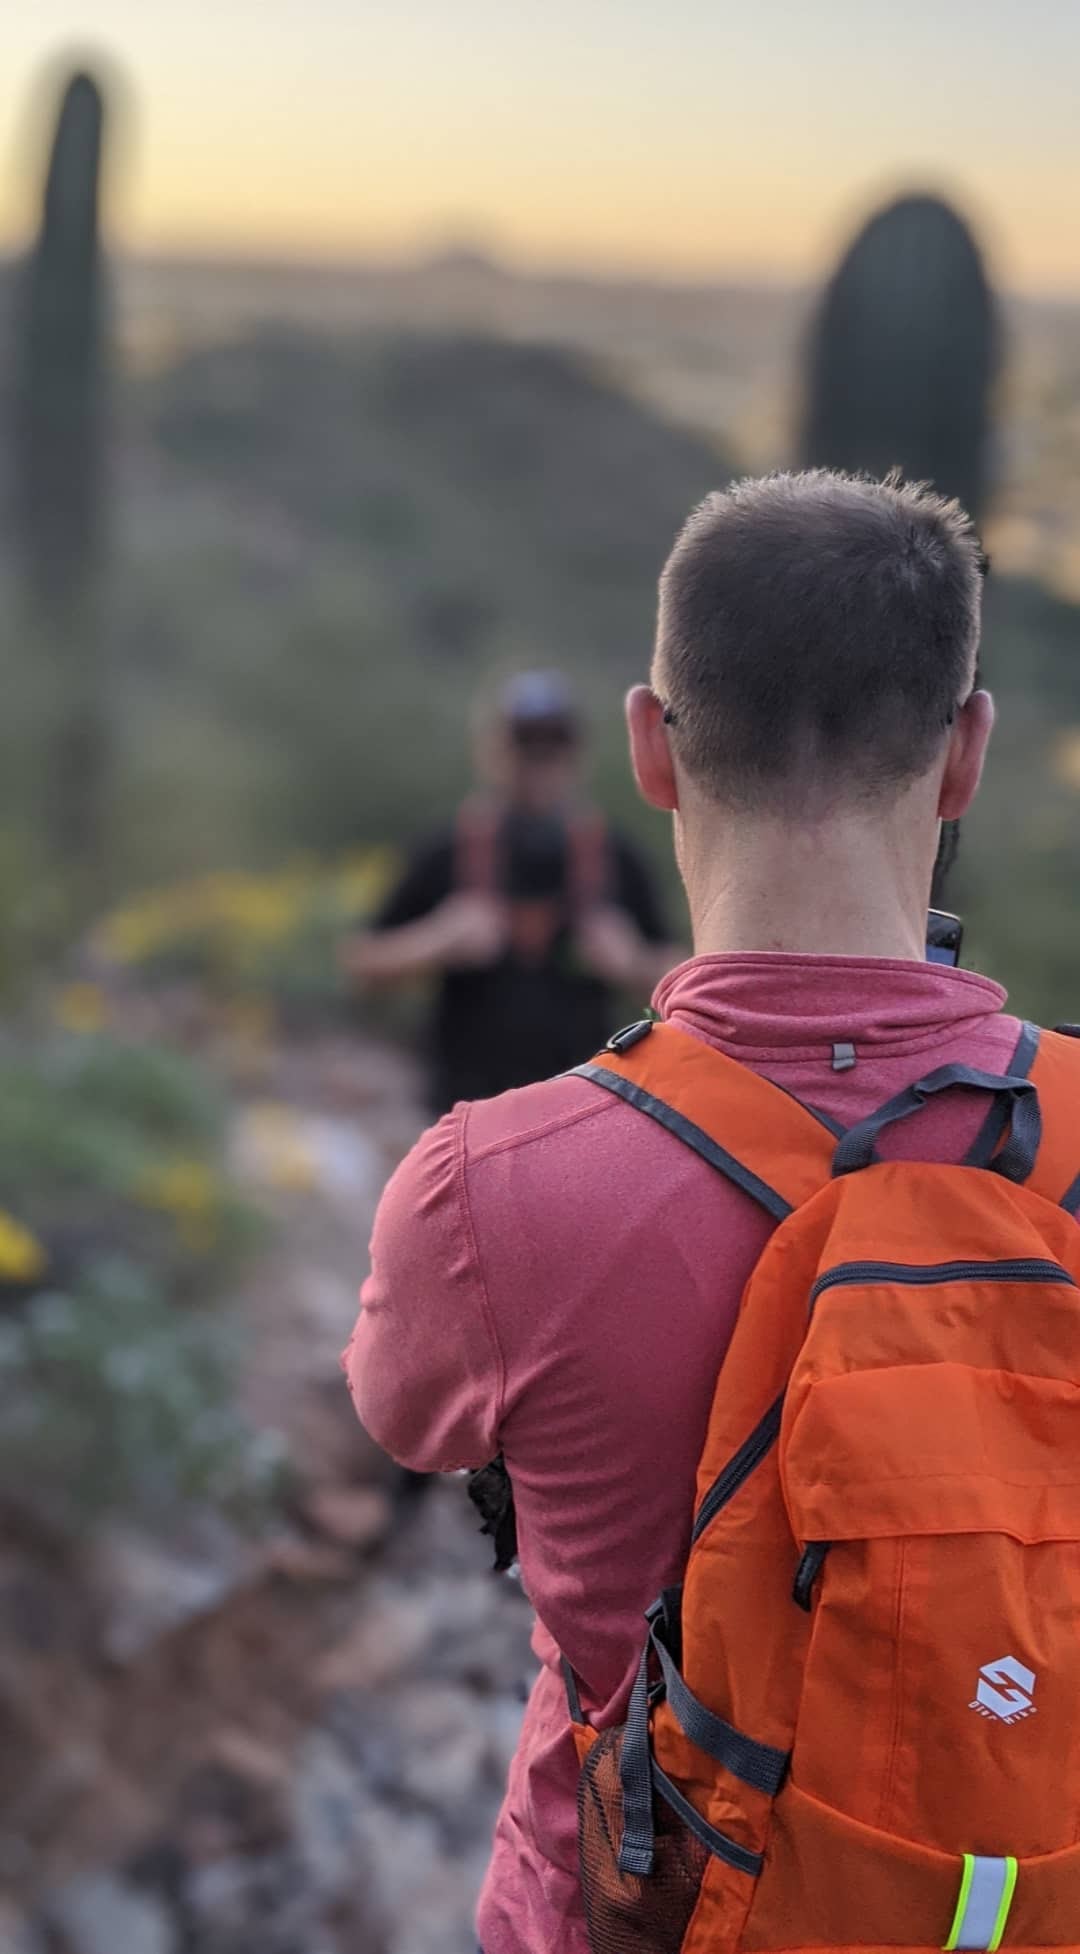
(552, 1274)
(529, 911)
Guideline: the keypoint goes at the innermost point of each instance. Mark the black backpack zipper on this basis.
(918, 1274)
(740, 1466)
(765, 1433)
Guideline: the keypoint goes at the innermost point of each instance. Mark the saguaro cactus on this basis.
(904, 352)
(58, 453)
(59, 397)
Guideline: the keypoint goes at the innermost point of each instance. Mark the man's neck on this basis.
(829, 890)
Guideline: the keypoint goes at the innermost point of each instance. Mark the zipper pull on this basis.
(809, 1568)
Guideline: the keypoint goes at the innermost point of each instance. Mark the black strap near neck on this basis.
(1016, 1159)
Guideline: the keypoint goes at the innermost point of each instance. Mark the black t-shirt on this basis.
(515, 1021)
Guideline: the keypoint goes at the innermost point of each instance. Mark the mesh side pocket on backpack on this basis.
(625, 1914)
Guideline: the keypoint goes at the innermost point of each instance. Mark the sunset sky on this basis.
(682, 137)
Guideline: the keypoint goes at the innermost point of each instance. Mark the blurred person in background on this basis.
(528, 910)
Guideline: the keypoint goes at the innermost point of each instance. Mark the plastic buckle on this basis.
(630, 1035)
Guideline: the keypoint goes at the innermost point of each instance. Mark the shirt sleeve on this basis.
(636, 891)
(423, 1364)
(427, 881)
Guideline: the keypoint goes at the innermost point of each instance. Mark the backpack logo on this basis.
(994, 1697)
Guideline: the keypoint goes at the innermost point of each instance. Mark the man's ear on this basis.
(967, 751)
(650, 753)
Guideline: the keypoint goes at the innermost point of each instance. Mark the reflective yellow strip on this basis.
(961, 1904)
(986, 1894)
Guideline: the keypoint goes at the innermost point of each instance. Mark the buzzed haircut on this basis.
(817, 633)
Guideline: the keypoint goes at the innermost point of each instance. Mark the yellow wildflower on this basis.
(80, 1008)
(185, 1189)
(277, 1149)
(22, 1258)
(1067, 758)
(259, 909)
(228, 921)
(133, 933)
(362, 877)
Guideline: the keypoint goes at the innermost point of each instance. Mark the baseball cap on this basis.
(540, 700)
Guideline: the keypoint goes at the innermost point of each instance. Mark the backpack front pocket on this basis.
(943, 1495)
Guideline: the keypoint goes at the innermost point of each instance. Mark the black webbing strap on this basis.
(1016, 1159)
(1070, 1200)
(760, 1765)
(573, 1693)
(729, 1850)
(993, 1129)
(691, 1136)
(637, 1849)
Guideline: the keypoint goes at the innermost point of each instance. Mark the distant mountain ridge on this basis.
(498, 493)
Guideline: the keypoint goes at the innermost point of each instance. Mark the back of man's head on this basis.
(817, 633)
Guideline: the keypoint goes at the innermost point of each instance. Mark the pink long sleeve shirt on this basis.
(555, 1276)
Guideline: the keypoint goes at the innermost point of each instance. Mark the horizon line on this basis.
(490, 264)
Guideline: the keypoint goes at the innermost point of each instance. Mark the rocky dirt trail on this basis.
(290, 1746)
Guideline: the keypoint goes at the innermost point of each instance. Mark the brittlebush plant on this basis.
(120, 1234)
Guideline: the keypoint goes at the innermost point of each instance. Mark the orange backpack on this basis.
(856, 1725)
(534, 922)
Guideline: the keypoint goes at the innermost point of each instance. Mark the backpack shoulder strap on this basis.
(476, 845)
(711, 1102)
(588, 865)
(1055, 1072)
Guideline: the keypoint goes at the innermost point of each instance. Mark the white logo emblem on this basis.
(994, 1698)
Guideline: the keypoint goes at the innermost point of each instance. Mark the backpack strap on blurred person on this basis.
(480, 867)
(588, 848)
(476, 845)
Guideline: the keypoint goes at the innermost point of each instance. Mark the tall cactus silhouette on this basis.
(904, 353)
(58, 454)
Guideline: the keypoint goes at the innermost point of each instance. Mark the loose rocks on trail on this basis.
(297, 1744)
